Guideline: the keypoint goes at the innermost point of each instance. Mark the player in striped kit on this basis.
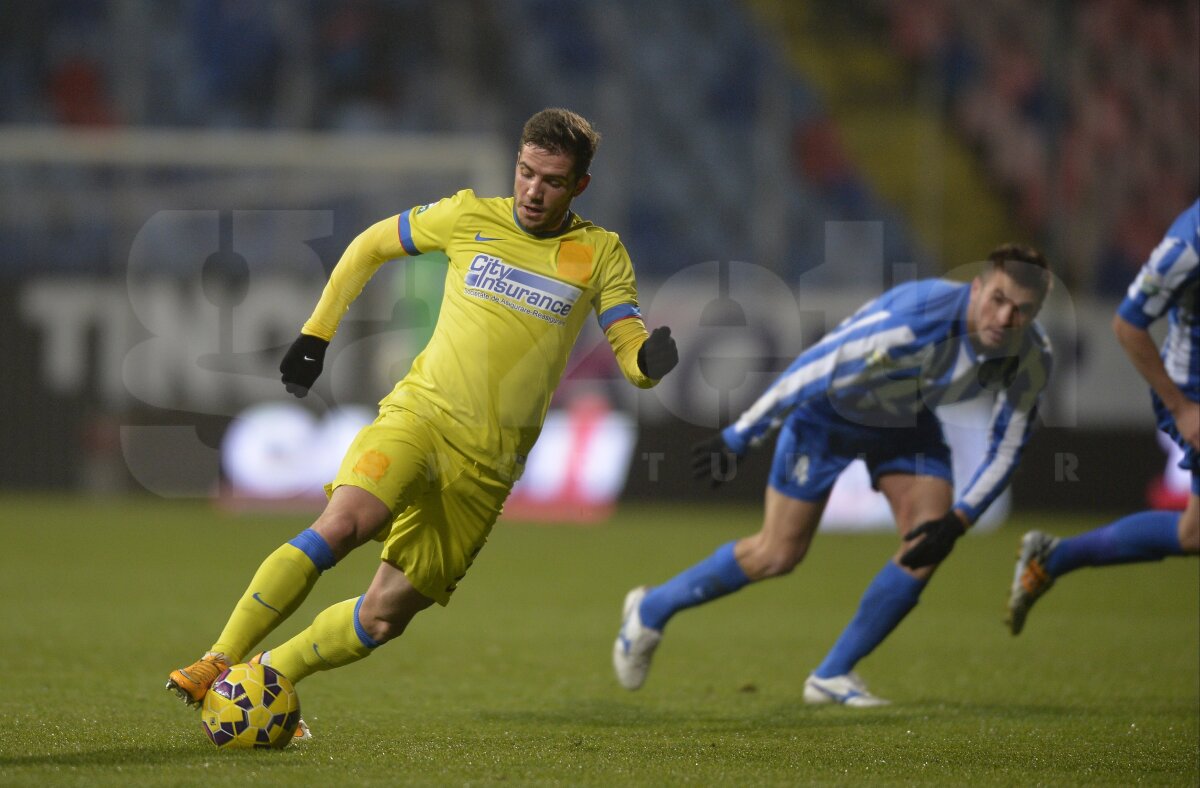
(868, 389)
(1167, 285)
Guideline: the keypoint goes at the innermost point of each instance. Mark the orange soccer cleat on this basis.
(191, 683)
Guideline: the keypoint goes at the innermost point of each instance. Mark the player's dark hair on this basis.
(1025, 264)
(562, 131)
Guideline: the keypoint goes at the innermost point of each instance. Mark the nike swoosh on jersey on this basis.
(309, 358)
(482, 237)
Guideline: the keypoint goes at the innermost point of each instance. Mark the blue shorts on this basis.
(816, 444)
(1191, 458)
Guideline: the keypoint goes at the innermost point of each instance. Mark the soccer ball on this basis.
(250, 706)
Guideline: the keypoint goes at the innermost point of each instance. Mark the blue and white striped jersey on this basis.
(903, 353)
(1169, 283)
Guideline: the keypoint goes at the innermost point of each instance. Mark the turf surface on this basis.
(511, 684)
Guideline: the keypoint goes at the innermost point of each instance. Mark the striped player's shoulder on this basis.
(930, 298)
(1186, 226)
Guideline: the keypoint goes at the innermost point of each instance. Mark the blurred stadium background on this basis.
(177, 179)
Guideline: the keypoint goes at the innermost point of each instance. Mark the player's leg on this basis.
(891, 595)
(1137, 538)
(350, 630)
(792, 511)
(282, 582)
(429, 548)
(352, 517)
(385, 465)
(787, 530)
(781, 543)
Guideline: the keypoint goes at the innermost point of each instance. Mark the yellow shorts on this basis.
(443, 503)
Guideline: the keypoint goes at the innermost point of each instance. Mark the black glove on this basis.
(713, 461)
(940, 536)
(302, 364)
(658, 355)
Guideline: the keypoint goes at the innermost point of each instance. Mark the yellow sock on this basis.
(335, 638)
(279, 586)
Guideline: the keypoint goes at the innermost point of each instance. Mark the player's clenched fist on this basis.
(302, 364)
(939, 538)
(658, 354)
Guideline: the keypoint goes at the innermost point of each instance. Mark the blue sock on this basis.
(1145, 536)
(886, 602)
(715, 576)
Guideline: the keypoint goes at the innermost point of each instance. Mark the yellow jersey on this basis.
(513, 307)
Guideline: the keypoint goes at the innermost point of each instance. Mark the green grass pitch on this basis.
(512, 685)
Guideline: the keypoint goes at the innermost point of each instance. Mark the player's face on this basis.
(1000, 310)
(543, 188)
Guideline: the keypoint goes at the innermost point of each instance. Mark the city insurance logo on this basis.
(490, 278)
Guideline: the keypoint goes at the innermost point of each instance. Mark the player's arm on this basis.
(1164, 275)
(374, 246)
(848, 357)
(1139, 346)
(305, 359)
(644, 358)
(810, 375)
(1014, 419)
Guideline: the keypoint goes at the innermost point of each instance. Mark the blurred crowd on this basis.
(1086, 114)
(701, 119)
(341, 64)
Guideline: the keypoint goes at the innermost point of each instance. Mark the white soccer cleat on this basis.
(1030, 578)
(845, 690)
(635, 643)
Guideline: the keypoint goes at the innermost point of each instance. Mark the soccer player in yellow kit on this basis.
(429, 476)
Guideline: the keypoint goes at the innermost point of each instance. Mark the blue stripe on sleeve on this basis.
(406, 239)
(618, 312)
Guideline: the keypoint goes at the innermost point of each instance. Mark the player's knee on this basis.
(784, 562)
(339, 530)
(382, 630)
(767, 559)
(345, 530)
(386, 616)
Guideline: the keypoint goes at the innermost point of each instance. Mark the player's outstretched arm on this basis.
(939, 538)
(641, 356)
(302, 364)
(306, 357)
(658, 354)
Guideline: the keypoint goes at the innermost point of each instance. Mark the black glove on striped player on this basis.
(940, 536)
(713, 461)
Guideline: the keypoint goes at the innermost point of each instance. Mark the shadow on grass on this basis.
(180, 755)
(608, 714)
